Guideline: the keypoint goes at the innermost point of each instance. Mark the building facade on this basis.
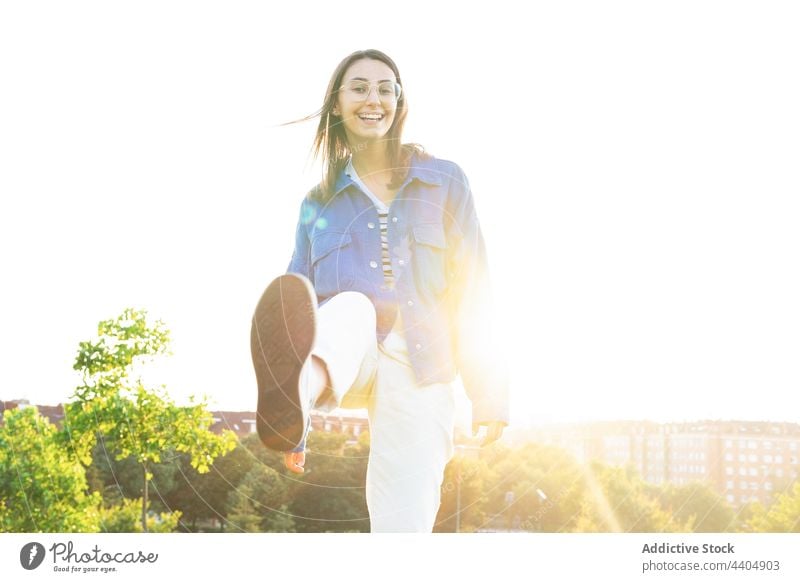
(744, 461)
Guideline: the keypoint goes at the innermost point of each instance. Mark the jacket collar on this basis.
(422, 169)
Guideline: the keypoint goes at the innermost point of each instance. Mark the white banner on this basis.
(351, 557)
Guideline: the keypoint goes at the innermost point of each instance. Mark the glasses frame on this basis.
(398, 91)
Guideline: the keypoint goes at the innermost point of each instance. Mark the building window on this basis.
(779, 472)
(731, 498)
(728, 443)
(753, 472)
(768, 458)
(742, 471)
(751, 444)
(742, 484)
(753, 485)
(742, 457)
(768, 485)
(729, 485)
(729, 470)
(752, 458)
(728, 456)
(778, 459)
(768, 445)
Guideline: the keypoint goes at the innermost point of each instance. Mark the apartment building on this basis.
(743, 460)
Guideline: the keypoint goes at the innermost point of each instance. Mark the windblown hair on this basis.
(330, 143)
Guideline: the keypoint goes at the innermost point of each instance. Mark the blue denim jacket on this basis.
(438, 259)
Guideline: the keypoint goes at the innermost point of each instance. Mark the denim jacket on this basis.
(441, 277)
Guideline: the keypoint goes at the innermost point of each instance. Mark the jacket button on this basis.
(410, 303)
(394, 219)
(418, 346)
(373, 264)
(401, 262)
(370, 225)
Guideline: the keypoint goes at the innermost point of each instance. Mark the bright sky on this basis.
(635, 167)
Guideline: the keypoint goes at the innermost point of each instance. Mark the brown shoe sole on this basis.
(281, 339)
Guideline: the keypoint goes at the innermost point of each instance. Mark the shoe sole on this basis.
(281, 338)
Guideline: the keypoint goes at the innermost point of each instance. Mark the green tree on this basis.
(783, 516)
(135, 421)
(260, 503)
(697, 507)
(203, 496)
(616, 499)
(120, 480)
(126, 517)
(547, 485)
(463, 499)
(330, 496)
(42, 487)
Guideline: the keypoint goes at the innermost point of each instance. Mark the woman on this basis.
(385, 301)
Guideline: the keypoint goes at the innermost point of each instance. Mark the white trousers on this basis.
(411, 426)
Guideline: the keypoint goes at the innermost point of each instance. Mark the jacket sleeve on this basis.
(478, 353)
(301, 256)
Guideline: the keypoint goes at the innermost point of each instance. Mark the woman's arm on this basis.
(479, 358)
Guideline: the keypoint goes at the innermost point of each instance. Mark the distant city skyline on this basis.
(743, 461)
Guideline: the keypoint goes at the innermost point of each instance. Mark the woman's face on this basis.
(367, 113)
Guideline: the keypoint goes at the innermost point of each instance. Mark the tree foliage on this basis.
(135, 421)
(697, 506)
(783, 516)
(42, 487)
(126, 517)
(259, 504)
(616, 499)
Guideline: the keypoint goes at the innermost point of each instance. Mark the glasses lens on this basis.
(388, 91)
(357, 89)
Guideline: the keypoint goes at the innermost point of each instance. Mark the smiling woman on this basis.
(364, 106)
(337, 330)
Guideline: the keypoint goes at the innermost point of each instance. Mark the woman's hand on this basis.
(294, 461)
(494, 430)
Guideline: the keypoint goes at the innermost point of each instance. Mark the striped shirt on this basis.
(383, 220)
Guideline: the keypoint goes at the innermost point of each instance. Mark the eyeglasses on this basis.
(388, 91)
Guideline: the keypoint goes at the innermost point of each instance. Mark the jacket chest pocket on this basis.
(429, 260)
(332, 262)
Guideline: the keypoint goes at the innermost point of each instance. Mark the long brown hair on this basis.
(330, 142)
